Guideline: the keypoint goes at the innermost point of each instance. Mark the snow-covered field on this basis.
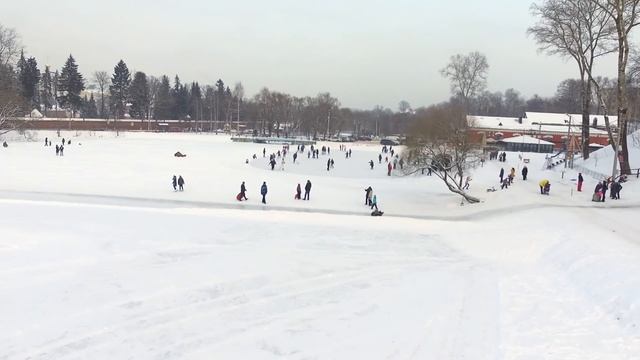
(101, 259)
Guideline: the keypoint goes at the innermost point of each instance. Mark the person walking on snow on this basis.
(180, 183)
(371, 164)
(307, 190)
(374, 202)
(263, 192)
(580, 181)
(328, 164)
(295, 156)
(501, 175)
(466, 183)
(57, 150)
(512, 175)
(174, 182)
(389, 168)
(525, 171)
(298, 192)
(46, 141)
(243, 192)
(379, 158)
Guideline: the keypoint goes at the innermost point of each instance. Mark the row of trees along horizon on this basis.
(597, 28)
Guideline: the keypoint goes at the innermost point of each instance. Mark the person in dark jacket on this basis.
(615, 190)
(307, 190)
(328, 164)
(263, 192)
(525, 172)
(371, 164)
(380, 158)
(389, 168)
(295, 156)
(57, 150)
(174, 182)
(367, 195)
(61, 150)
(180, 183)
(580, 181)
(501, 175)
(298, 192)
(243, 192)
(46, 141)
(604, 189)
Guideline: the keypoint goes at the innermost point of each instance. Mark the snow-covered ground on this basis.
(101, 259)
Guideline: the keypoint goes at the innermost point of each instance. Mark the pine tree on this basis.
(91, 108)
(70, 85)
(195, 102)
(119, 89)
(47, 90)
(28, 79)
(139, 92)
(163, 107)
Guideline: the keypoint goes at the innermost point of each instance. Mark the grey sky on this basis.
(365, 52)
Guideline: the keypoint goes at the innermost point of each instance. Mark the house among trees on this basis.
(551, 127)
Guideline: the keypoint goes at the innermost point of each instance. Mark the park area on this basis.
(100, 258)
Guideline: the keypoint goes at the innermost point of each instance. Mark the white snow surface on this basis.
(101, 259)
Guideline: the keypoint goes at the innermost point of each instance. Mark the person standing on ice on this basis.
(180, 183)
(525, 171)
(295, 156)
(328, 164)
(61, 150)
(298, 192)
(307, 190)
(580, 181)
(379, 158)
(389, 168)
(46, 141)
(174, 182)
(501, 175)
(57, 150)
(263, 192)
(371, 164)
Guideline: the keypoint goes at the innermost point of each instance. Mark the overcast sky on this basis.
(365, 52)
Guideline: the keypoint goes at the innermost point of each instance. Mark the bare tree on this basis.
(468, 75)
(439, 142)
(625, 16)
(10, 105)
(10, 46)
(577, 29)
(103, 80)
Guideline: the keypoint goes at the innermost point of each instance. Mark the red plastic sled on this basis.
(239, 197)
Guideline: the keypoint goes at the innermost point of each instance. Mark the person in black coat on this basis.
(367, 195)
(501, 175)
(604, 189)
(174, 182)
(525, 171)
(180, 183)
(243, 192)
(307, 191)
(580, 181)
(263, 192)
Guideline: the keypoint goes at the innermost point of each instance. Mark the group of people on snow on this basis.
(178, 183)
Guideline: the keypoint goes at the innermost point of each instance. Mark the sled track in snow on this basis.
(135, 202)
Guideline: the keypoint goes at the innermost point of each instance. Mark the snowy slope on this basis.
(100, 259)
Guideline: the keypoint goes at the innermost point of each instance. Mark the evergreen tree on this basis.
(47, 90)
(195, 102)
(29, 77)
(163, 107)
(119, 89)
(70, 85)
(91, 108)
(219, 105)
(139, 92)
